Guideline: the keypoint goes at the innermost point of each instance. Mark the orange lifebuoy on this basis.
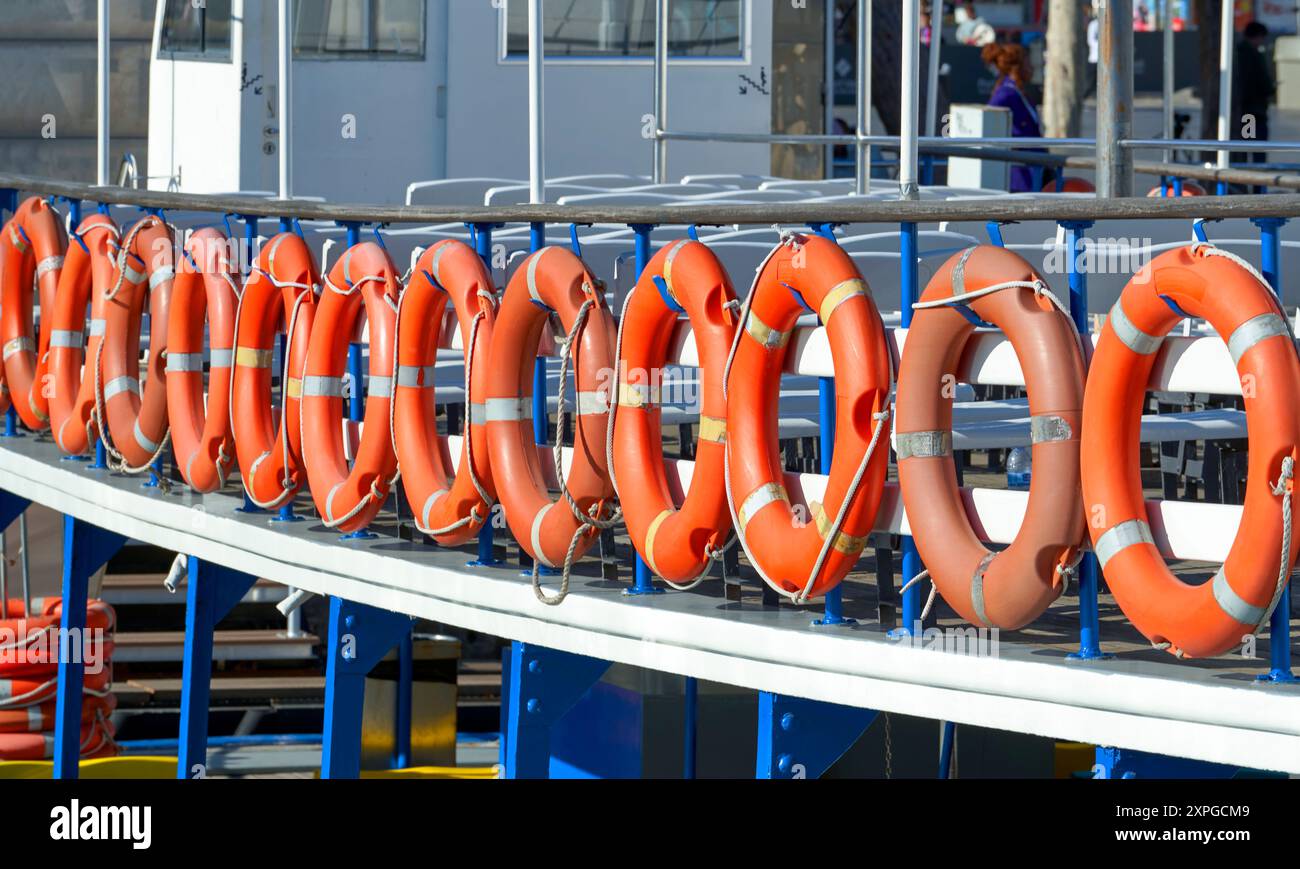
(133, 419)
(40, 717)
(96, 741)
(24, 691)
(1211, 618)
(1190, 188)
(282, 288)
(450, 512)
(679, 545)
(1071, 185)
(551, 280)
(204, 291)
(1011, 588)
(34, 243)
(797, 559)
(363, 281)
(87, 275)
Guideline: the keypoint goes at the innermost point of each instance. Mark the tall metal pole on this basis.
(828, 72)
(932, 77)
(286, 98)
(1167, 80)
(1225, 80)
(1115, 99)
(909, 120)
(662, 35)
(536, 103)
(863, 157)
(102, 97)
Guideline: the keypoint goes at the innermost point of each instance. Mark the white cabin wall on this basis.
(195, 116)
(594, 109)
(399, 136)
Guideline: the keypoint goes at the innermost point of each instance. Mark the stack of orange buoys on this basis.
(29, 650)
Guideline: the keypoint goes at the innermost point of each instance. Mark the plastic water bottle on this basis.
(1019, 466)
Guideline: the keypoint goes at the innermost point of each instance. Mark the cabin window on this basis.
(193, 31)
(626, 28)
(359, 29)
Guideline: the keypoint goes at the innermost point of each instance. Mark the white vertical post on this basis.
(1225, 80)
(286, 98)
(932, 80)
(662, 35)
(909, 117)
(536, 103)
(102, 98)
(863, 150)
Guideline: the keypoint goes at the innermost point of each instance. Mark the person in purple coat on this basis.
(1011, 63)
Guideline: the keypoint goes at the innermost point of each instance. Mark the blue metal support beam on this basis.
(211, 592)
(85, 550)
(643, 577)
(910, 292)
(1124, 763)
(801, 739)
(359, 637)
(542, 685)
(1089, 570)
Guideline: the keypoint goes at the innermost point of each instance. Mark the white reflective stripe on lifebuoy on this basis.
(923, 444)
(650, 540)
(435, 264)
(1254, 330)
(69, 338)
(160, 274)
(478, 414)
(121, 384)
(590, 403)
(770, 338)
(133, 276)
(49, 264)
(509, 409)
(532, 273)
(977, 587)
(1232, 604)
(19, 345)
(668, 267)
(1121, 537)
(221, 358)
(756, 500)
(959, 272)
(184, 362)
(415, 376)
(97, 327)
(253, 357)
(319, 386)
(838, 295)
(143, 440)
(1132, 337)
(379, 387)
(428, 506)
(536, 535)
(1048, 428)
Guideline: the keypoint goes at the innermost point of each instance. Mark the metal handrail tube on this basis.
(718, 214)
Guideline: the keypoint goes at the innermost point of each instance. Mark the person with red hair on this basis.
(1011, 63)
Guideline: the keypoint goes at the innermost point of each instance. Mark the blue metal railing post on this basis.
(1279, 623)
(486, 553)
(1178, 186)
(211, 592)
(643, 583)
(402, 720)
(85, 550)
(359, 637)
(543, 685)
(1089, 580)
(945, 748)
(691, 700)
(910, 292)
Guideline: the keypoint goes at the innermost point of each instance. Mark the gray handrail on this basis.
(788, 213)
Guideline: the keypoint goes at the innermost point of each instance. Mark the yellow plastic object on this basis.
(437, 772)
(1073, 757)
(132, 767)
